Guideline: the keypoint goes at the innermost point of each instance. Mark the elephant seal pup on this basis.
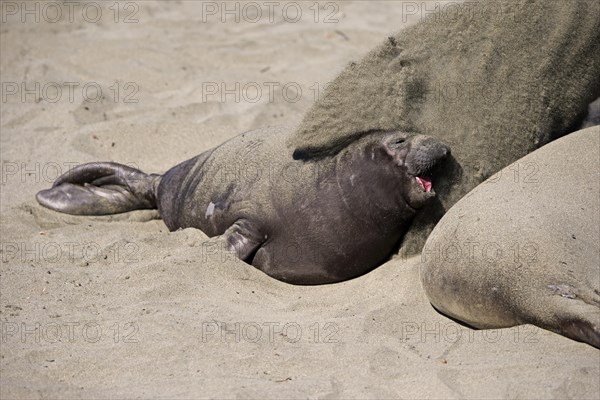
(302, 223)
(522, 247)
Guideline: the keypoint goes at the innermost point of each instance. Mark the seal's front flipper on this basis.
(101, 189)
(243, 239)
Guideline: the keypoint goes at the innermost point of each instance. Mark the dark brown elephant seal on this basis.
(523, 247)
(299, 222)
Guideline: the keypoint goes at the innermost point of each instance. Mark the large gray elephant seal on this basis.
(522, 247)
(494, 80)
(298, 222)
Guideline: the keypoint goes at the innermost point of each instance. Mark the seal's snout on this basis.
(418, 157)
(423, 160)
(445, 151)
(425, 154)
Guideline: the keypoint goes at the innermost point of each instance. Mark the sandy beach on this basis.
(119, 307)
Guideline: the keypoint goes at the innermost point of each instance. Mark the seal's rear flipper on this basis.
(576, 315)
(101, 188)
(582, 321)
(582, 331)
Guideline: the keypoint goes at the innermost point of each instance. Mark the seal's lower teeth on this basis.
(424, 182)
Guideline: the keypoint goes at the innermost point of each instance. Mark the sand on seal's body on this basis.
(156, 298)
(493, 80)
(523, 247)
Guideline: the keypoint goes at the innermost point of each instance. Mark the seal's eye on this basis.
(400, 141)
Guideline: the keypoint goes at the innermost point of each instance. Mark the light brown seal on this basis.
(523, 247)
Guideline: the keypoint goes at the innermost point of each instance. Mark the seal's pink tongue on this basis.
(425, 183)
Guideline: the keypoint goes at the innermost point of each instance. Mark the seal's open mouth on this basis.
(425, 183)
(421, 159)
(428, 169)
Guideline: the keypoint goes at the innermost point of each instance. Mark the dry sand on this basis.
(119, 307)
